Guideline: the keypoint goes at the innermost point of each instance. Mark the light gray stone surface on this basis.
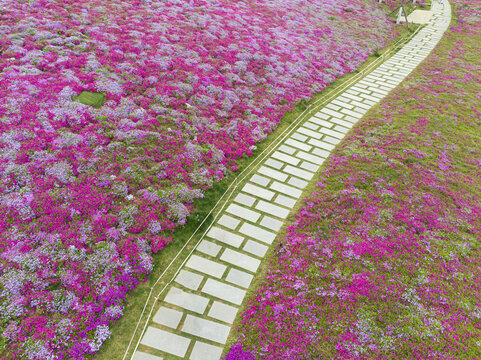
(274, 163)
(239, 277)
(223, 312)
(274, 174)
(286, 158)
(298, 144)
(189, 279)
(285, 201)
(313, 134)
(140, 355)
(209, 248)
(298, 136)
(260, 180)
(303, 174)
(309, 166)
(245, 200)
(301, 184)
(186, 300)
(168, 317)
(272, 223)
(257, 233)
(203, 351)
(206, 266)
(243, 213)
(166, 341)
(287, 149)
(286, 189)
(272, 209)
(241, 260)
(228, 221)
(225, 236)
(206, 329)
(224, 291)
(258, 191)
(255, 248)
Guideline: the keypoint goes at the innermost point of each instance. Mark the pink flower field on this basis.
(383, 259)
(180, 90)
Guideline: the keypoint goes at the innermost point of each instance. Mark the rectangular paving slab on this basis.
(228, 221)
(206, 266)
(255, 248)
(224, 291)
(239, 277)
(166, 341)
(168, 317)
(225, 236)
(258, 191)
(272, 223)
(274, 174)
(286, 189)
(203, 351)
(140, 355)
(209, 248)
(223, 312)
(186, 300)
(206, 329)
(257, 233)
(272, 209)
(189, 279)
(243, 213)
(241, 260)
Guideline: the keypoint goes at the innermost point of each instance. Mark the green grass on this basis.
(95, 100)
(123, 329)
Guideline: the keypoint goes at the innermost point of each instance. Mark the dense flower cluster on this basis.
(88, 193)
(383, 260)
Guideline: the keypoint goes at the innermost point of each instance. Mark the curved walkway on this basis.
(195, 316)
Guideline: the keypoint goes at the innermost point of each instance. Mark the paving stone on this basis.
(360, 104)
(331, 113)
(168, 317)
(298, 144)
(350, 96)
(260, 180)
(285, 201)
(189, 279)
(316, 121)
(271, 209)
(287, 149)
(286, 189)
(240, 278)
(257, 233)
(225, 236)
(241, 260)
(274, 163)
(140, 355)
(342, 104)
(313, 134)
(245, 199)
(165, 341)
(272, 223)
(209, 248)
(310, 126)
(286, 158)
(187, 300)
(203, 351)
(333, 106)
(224, 291)
(206, 266)
(309, 166)
(321, 115)
(342, 122)
(352, 113)
(332, 140)
(274, 174)
(243, 213)
(301, 184)
(341, 129)
(223, 312)
(351, 119)
(255, 248)
(360, 110)
(379, 91)
(358, 92)
(315, 159)
(332, 132)
(228, 222)
(303, 174)
(206, 329)
(298, 136)
(258, 191)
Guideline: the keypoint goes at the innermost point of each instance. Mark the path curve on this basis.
(194, 318)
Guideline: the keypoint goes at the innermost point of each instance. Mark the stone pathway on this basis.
(195, 316)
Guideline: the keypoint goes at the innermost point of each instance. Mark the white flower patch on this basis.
(62, 171)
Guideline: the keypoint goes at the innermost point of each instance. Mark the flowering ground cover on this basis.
(383, 260)
(115, 116)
